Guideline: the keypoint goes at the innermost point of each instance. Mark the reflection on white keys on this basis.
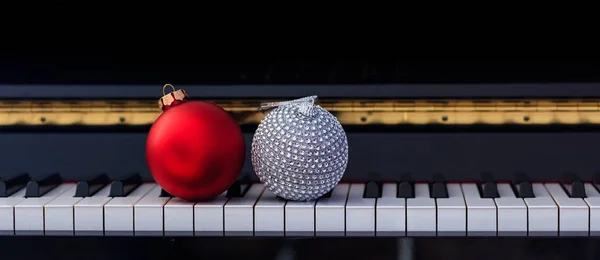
(208, 216)
(593, 201)
(574, 214)
(29, 213)
(300, 218)
(239, 212)
(452, 213)
(421, 214)
(481, 212)
(269, 215)
(179, 217)
(89, 213)
(542, 212)
(59, 217)
(7, 212)
(391, 212)
(360, 212)
(148, 214)
(118, 213)
(330, 212)
(512, 212)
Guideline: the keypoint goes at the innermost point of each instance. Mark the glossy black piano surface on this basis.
(542, 153)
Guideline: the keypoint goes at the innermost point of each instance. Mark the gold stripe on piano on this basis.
(349, 112)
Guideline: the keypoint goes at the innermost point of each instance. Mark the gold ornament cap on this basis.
(176, 97)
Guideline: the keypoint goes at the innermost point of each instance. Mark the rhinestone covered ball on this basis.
(300, 151)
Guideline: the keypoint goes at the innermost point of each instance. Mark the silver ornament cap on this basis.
(300, 150)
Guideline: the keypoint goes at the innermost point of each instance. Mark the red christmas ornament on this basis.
(195, 150)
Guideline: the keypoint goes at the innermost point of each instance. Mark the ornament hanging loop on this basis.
(167, 85)
(306, 105)
(174, 98)
(271, 105)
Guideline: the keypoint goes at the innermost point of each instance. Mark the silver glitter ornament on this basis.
(300, 150)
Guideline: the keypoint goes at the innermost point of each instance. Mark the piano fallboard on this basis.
(459, 156)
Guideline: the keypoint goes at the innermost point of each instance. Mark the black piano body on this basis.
(378, 153)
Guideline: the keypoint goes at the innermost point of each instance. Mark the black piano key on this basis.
(373, 190)
(42, 186)
(13, 184)
(574, 187)
(578, 190)
(525, 190)
(236, 190)
(596, 181)
(89, 188)
(164, 193)
(522, 186)
(488, 188)
(406, 187)
(123, 187)
(327, 195)
(437, 187)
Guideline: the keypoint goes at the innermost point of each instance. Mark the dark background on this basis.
(92, 67)
(86, 67)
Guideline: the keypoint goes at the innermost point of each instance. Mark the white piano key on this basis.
(360, 212)
(29, 213)
(118, 212)
(300, 218)
(421, 213)
(179, 217)
(209, 215)
(481, 212)
(89, 213)
(512, 212)
(269, 215)
(542, 213)
(7, 212)
(574, 214)
(452, 213)
(148, 214)
(593, 201)
(390, 212)
(330, 212)
(239, 212)
(59, 217)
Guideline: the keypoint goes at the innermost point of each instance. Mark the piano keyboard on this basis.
(132, 208)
